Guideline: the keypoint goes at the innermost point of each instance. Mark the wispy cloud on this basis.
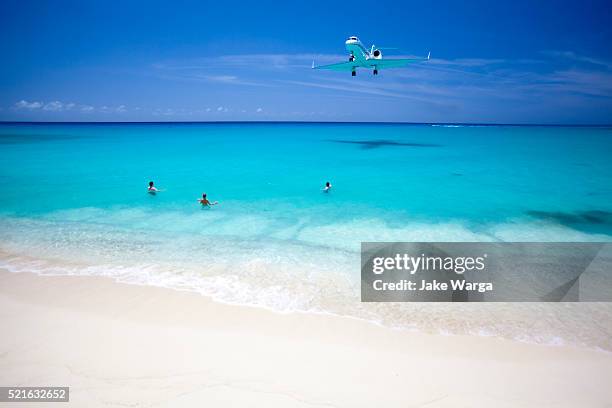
(23, 104)
(556, 83)
(572, 56)
(193, 74)
(437, 77)
(242, 69)
(232, 80)
(59, 106)
(467, 62)
(222, 78)
(250, 61)
(339, 86)
(213, 113)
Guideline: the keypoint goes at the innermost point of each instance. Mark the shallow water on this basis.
(74, 201)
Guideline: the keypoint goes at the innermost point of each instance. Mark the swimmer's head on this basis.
(203, 195)
(327, 184)
(150, 184)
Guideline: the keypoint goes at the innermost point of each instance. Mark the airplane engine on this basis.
(377, 54)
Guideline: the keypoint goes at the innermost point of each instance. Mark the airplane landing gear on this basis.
(375, 71)
(351, 58)
(353, 73)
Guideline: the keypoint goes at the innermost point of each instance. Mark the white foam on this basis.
(295, 268)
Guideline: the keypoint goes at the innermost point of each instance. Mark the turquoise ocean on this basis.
(74, 201)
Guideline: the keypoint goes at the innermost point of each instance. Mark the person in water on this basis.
(152, 188)
(327, 187)
(206, 202)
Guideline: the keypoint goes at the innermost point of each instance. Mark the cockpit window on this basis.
(353, 38)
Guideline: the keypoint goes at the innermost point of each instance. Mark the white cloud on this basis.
(22, 104)
(59, 106)
(259, 110)
(54, 106)
(222, 78)
(178, 112)
(112, 109)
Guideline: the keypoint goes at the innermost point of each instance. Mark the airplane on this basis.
(360, 57)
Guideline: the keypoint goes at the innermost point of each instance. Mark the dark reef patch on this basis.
(590, 221)
(375, 144)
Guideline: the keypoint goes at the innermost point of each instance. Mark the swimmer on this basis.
(152, 189)
(204, 201)
(327, 187)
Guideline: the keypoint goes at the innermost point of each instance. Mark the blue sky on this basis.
(492, 62)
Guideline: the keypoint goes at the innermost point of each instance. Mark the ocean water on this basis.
(74, 201)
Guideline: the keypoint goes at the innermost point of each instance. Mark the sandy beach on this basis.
(125, 345)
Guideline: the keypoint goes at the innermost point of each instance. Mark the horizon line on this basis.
(3, 122)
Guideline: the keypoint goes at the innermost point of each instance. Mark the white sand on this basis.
(125, 345)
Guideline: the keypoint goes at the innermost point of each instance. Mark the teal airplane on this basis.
(361, 57)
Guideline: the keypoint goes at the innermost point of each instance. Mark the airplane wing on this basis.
(341, 66)
(378, 63)
(392, 63)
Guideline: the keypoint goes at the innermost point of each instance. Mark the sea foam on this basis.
(286, 268)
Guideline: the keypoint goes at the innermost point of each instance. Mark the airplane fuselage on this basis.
(361, 55)
(357, 50)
